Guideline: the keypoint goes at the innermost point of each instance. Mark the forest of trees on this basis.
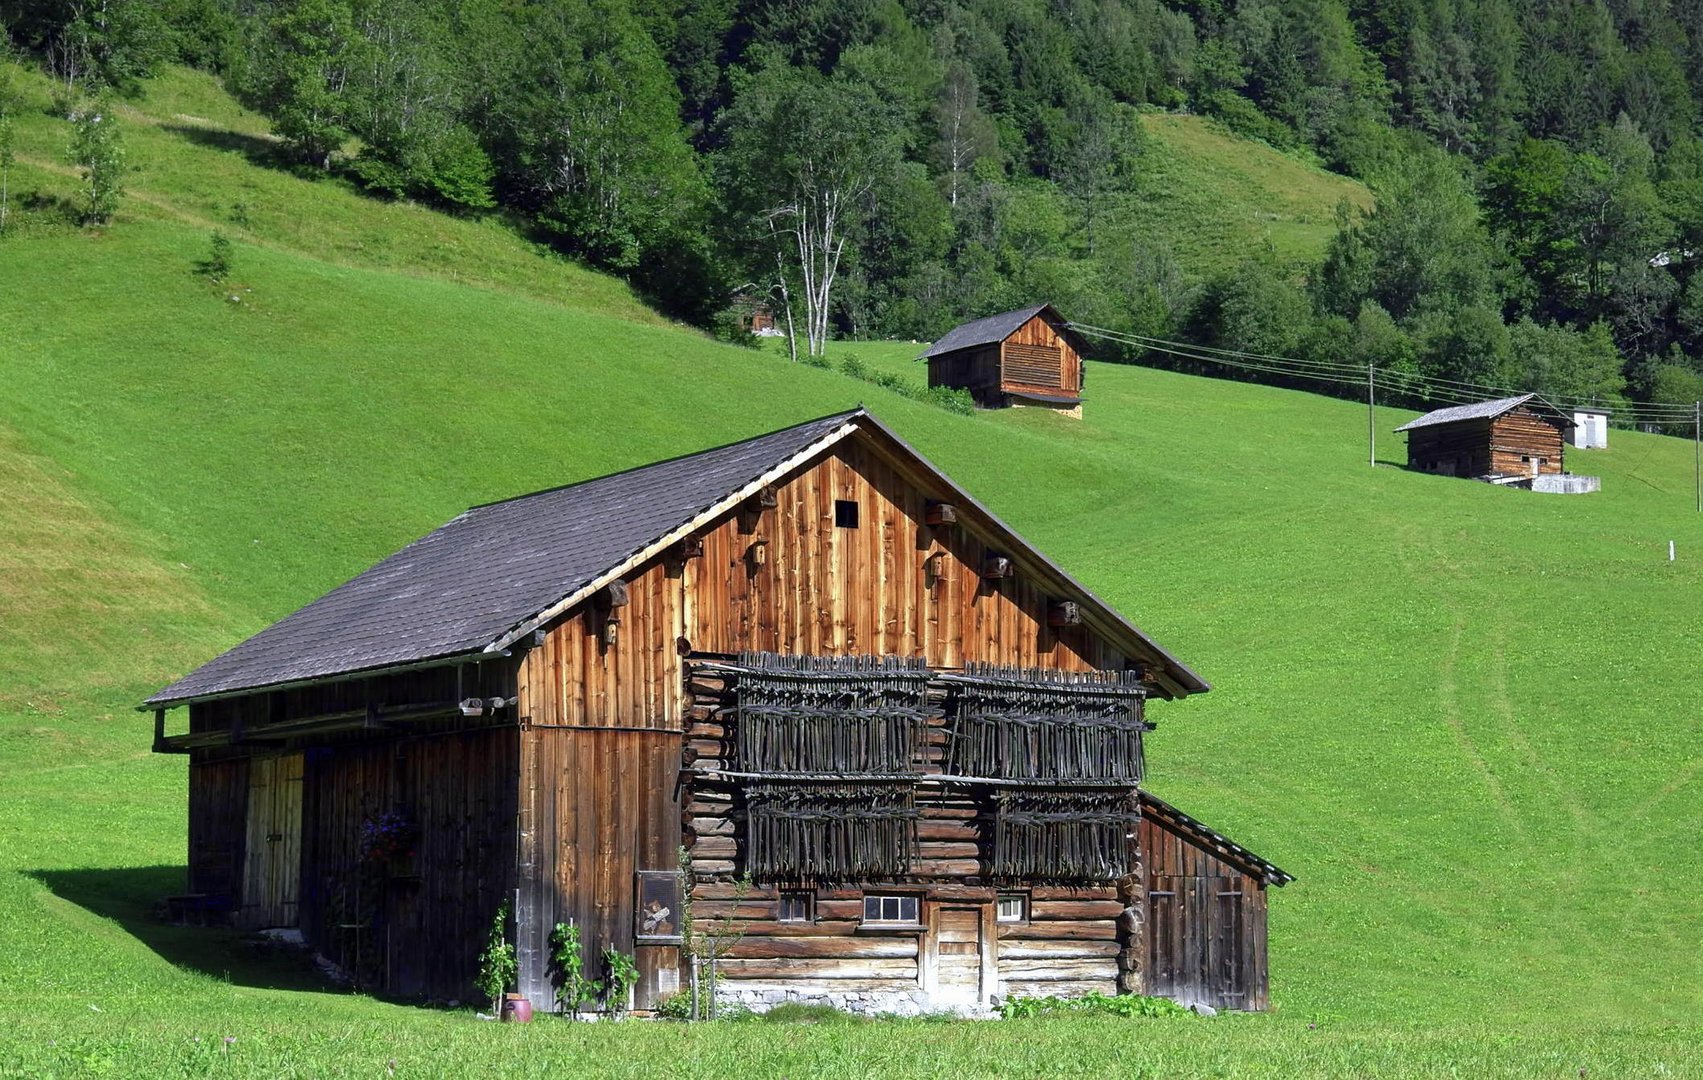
(891, 167)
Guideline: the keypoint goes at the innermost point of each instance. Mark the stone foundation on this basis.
(1566, 484)
(862, 1002)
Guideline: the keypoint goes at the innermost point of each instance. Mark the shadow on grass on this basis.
(259, 151)
(133, 896)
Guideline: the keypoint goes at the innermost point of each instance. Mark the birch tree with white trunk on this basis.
(808, 154)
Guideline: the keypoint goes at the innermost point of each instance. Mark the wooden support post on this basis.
(1697, 451)
(1371, 416)
(159, 731)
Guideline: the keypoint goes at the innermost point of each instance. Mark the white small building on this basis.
(1590, 429)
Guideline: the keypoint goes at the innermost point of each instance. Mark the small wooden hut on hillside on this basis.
(1026, 357)
(808, 657)
(1510, 440)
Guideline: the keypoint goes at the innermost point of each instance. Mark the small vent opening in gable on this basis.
(845, 513)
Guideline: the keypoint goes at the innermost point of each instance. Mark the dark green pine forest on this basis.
(887, 168)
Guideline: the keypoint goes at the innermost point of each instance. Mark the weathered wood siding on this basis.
(976, 370)
(1039, 359)
(876, 589)
(410, 927)
(272, 863)
(218, 828)
(597, 805)
(1205, 924)
(1508, 444)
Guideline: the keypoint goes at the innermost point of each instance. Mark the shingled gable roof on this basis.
(1231, 852)
(1486, 410)
(993, 329)
(489, 577)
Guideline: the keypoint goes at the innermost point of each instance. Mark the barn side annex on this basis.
(809, 658)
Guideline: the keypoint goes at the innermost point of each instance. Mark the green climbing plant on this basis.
(498, 967)
(573, 987)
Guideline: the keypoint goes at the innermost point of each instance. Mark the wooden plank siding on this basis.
(1205, 924)
(596, 805)
(1039, 359)
(411, 927)
(218, 828)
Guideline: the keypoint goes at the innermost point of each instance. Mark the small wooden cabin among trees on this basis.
(1508, 440)
(1026, 357)
(808, 661)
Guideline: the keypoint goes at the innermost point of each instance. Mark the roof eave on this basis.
(158, 701)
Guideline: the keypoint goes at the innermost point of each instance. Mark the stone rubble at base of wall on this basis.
(862, 1002)
(1566, 484)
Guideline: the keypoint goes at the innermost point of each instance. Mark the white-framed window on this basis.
(891, 909)
(1013, 908)
(796, 906)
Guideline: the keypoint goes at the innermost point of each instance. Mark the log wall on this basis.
(1073, 940)
(1521, 437)
(1479, 447)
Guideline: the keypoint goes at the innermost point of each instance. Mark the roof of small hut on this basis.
(993, 329)
(480, 582)
(1486, 410)
(1209, 840)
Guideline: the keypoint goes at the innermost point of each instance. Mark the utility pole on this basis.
(1371, 418)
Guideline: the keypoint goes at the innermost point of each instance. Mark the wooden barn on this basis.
(1510, 440)
(1025, 357)
(809, 659)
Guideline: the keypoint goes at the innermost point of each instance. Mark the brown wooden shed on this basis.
(1505, 440)
(808, 657)
(1026, 357)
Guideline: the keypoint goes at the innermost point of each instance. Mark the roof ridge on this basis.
(847, 415)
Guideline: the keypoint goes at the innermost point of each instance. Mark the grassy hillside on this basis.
(1213, 196)
(1463, 716)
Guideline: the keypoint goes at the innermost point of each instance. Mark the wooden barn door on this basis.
(272, 867)
(1199, 941)
(958, 952)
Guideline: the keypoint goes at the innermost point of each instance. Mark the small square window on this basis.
(890, 910)
(1013, 907)
(845, 513)
(797, 907)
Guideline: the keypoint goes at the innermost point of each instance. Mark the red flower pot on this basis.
(516, 1009)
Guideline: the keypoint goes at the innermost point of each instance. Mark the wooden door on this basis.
(272, 865)
(958, 956)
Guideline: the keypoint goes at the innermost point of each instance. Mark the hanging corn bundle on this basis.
(806, 831)
(829, 746)
(1076, 836)
(1051, 726)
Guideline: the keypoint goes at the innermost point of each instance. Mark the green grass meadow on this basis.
(1464, 717)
